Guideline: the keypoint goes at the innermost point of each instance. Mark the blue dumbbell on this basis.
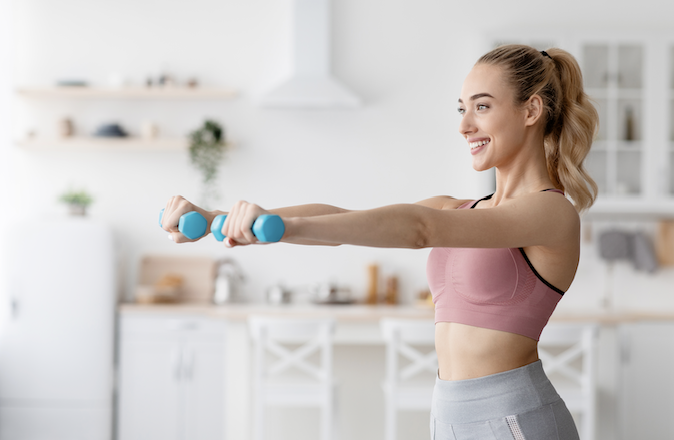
(268, 228)
(192, 225)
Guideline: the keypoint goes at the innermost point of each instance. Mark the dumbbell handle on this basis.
(268, 228)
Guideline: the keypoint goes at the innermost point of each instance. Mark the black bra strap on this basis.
(483, 198)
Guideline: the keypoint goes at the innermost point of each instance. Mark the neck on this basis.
(525, 173)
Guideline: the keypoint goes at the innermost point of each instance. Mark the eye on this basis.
(461, 111)
(482, 107)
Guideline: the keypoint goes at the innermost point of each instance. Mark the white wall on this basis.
(5, 100)
(405, 59)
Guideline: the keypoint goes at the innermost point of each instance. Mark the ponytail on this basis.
(571, 120)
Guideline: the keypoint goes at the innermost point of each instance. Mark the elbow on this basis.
(422, 236)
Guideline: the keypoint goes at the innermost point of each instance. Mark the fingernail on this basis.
(228, 243)
(170, 237)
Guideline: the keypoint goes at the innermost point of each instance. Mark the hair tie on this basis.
(545, 54)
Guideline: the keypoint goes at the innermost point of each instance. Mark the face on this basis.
(490, 122)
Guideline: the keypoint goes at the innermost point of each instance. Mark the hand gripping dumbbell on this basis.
(268, 228)
(192, 225)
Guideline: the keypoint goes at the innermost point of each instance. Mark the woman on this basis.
(500, 264)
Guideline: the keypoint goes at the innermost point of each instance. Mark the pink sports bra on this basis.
(498, 289)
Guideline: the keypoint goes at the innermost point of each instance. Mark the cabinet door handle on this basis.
(188, 364)
(177, 363)
(14, 307)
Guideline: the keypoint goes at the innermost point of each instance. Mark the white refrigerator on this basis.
(56, 341)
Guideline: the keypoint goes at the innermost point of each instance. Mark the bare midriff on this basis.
(467, 352)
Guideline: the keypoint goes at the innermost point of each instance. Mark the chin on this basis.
(481, 167)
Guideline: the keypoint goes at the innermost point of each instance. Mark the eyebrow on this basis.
(478, 96)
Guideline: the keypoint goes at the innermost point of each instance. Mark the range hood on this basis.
(311, 84)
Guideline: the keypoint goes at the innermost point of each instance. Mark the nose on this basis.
(467, 125)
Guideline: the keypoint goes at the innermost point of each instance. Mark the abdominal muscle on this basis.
(467, 352)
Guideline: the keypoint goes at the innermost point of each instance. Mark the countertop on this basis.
(362, 313)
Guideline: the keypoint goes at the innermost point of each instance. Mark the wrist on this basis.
(292, 226)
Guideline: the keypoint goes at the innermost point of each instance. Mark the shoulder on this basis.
(547, 209)
(443, 202)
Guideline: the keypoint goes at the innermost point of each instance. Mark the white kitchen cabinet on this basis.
(646, 385)
(630, 78)
(171, 378)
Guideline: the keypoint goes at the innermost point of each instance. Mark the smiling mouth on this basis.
(478, 144)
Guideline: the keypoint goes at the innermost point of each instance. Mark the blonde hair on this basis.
(571, 121)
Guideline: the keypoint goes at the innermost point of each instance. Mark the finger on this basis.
(240, 220)
(168, 223)
(230, 221)
(250, 217)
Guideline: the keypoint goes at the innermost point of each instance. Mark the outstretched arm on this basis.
(537, 219)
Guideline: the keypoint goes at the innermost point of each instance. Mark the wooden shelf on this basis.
(102, 143)
(126, 92)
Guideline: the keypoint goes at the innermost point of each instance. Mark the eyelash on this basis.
(463, 111)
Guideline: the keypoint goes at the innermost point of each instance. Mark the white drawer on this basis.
(149, 327)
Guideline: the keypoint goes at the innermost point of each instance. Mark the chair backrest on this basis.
(403, 337)
(568, 354)
(568, 350)
(292, 342)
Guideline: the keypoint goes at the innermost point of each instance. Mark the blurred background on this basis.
(98, 98)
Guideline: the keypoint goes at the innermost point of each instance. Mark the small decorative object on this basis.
(110, 130)
(165, 290)
(71, 83)
(391, 295)
(373, 284)
(77, 201)
(279, 294)
(149, 130)
(66, 127)
(207, 148)
(166, 80)
(228, 281)
(425, 299)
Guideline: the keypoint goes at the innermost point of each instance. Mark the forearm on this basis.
(394, 226)
(310, 210)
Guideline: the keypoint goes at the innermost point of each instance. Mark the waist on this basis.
(495, 396)
(466, 352)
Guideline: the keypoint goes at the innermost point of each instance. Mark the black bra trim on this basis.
(483, 198)
(531, 266)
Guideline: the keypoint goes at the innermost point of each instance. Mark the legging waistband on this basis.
(495, 396)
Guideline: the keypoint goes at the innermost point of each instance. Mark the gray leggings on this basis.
(519, 404)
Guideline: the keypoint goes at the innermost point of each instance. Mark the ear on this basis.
(533, 111)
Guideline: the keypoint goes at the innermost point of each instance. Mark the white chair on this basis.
(283, 344)
(404, 389)
(567, 351)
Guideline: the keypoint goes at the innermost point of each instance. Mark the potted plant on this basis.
(77, 201)
(207, 148)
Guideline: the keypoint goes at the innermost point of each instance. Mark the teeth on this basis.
(478, 144)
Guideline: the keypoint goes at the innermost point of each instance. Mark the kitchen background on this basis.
(406, 61)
